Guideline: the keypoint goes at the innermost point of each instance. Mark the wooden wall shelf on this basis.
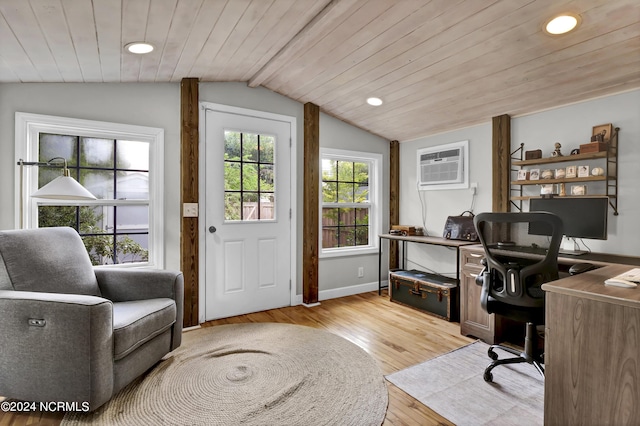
(562, 180)
(562, 159)
(608, 160)
(528, 197)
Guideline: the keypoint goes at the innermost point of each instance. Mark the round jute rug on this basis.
(252, 374)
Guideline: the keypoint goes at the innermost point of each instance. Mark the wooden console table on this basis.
(434, 241)
(592, 350)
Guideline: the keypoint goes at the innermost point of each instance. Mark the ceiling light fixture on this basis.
(374, 101)
(562, 24)
(139, 47)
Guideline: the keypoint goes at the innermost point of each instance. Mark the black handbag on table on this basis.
(460, 228)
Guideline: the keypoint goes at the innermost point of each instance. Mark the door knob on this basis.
(212, 229)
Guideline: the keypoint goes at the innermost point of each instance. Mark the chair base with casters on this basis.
(529, 355)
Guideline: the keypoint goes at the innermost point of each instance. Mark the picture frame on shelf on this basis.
(560, 173)
(579, 190)
(583, 171)
(534, 174)
(547, 189)
(546, 174)
(571, 172)
(523, 174)
(602, 132)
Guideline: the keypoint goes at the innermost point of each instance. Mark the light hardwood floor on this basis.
(394, 335)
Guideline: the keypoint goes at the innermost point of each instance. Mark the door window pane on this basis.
(267, 144)
(232, 149)
(232, 176)
(249, 176)
(250, 147)
(232, 206)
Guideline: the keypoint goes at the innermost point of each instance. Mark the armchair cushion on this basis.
(51, 260)
(138, 321)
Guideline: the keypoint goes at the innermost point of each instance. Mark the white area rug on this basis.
(452, 385)
(252, 374)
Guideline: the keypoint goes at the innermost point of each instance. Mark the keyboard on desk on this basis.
(521, 249)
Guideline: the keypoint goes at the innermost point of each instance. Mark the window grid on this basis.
(339, 229)
(241, 162)
(74, 170)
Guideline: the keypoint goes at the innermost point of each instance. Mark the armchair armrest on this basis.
(44, 336)
(124, 284)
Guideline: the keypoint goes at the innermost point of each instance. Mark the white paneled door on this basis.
(248, 209)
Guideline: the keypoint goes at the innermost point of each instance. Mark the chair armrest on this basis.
(124, 284)
(56, 347)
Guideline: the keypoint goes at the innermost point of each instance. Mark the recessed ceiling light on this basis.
(374, 101)
(139, 47)
(562, 24)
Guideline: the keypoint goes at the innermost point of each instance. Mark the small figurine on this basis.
(557, 152)
(599, 137)
(563, 190)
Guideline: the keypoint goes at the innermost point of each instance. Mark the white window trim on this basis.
(29, 126)
(375, 200)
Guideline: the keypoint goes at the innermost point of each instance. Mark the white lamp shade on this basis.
(64, 188)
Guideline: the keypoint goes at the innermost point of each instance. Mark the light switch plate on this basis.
(190, 210)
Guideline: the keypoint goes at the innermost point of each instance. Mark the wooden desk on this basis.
(434, 241)
(491, 328)
(592, 350)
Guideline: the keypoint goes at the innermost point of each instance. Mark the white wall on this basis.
(442, 203)
(144, 104)
(571, 126)
(158, 105)
(334, 272)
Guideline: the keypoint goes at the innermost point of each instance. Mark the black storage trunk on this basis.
(433, 294)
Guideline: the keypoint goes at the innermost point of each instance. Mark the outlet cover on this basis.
(190, 210)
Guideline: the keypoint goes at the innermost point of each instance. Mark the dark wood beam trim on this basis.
(310, 232)
(394, 198)
(501, 163)
(189, 194)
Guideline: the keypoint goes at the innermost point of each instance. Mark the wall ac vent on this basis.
(444, 166)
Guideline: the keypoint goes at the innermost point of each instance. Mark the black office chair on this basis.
(510, 286)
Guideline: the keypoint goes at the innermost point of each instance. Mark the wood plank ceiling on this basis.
(438, 65)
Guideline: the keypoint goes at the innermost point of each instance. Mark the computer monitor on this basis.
(581, 217)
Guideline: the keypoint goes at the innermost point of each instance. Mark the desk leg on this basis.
(379, 266)
(458, 265)
(404, 255)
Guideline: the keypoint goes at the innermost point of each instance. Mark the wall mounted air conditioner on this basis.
(444, 166)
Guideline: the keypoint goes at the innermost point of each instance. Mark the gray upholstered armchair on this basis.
(72, 332)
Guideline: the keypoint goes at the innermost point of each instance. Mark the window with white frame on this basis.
(121, 165)
(350, 204)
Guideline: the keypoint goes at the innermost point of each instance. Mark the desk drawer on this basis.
(471, 258)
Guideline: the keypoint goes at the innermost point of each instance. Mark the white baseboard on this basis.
(334, 293)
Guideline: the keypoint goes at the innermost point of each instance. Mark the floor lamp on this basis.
(61, 188)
